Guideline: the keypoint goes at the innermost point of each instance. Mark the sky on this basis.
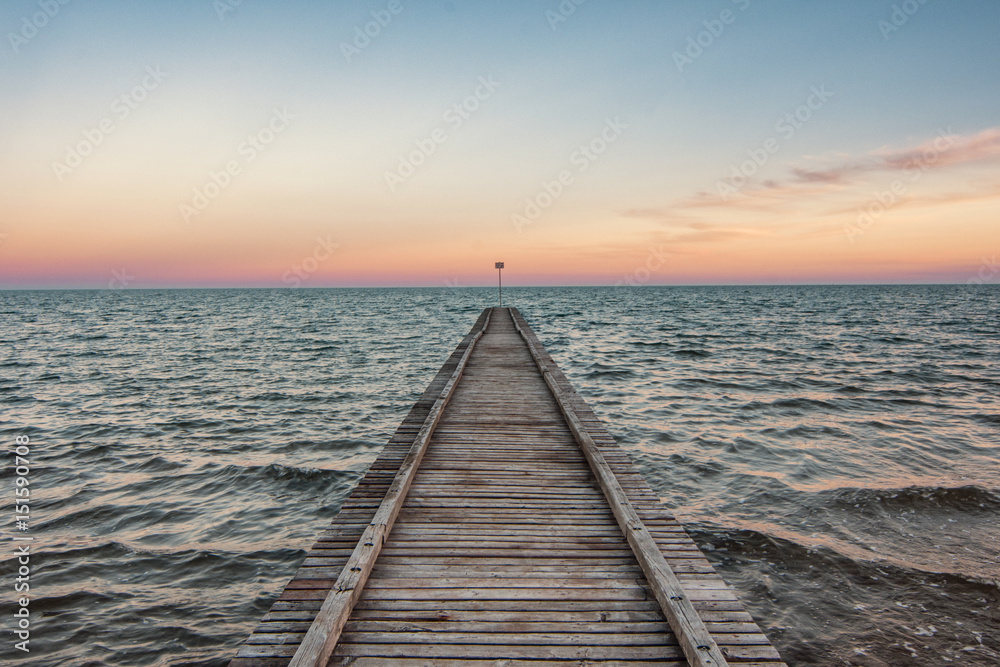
(207, 143)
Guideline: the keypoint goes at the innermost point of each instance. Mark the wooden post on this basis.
(499, 267)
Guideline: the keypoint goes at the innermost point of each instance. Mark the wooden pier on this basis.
(502, 525)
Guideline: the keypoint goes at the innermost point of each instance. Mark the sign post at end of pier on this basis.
(499, 268)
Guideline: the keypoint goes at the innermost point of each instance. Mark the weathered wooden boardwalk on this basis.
(508, 547)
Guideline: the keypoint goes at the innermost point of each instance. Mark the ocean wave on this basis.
(722, 544)
(883, 609)
(688, 353)
(275, 476)
(991, 419)
(796, 402)
(158, 464)
(968, 499)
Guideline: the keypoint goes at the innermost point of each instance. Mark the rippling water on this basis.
(833, 449)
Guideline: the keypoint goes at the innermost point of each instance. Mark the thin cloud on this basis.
(719, 235)
(944, 150)
(778, 206)
(771, 196)
(802, 175)
(988, 192)
(696, 231)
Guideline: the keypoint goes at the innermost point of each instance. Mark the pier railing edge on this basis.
(699, 647)
(321, 638)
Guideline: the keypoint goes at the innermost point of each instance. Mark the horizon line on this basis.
(486, 287)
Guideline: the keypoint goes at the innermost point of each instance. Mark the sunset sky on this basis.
(265, 143)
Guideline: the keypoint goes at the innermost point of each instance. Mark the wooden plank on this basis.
(505, 652)
(507, 662)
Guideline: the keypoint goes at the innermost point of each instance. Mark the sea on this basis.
(834, 450)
